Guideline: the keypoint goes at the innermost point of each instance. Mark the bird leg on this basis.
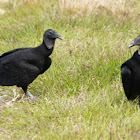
(27, 93)
(138, 106)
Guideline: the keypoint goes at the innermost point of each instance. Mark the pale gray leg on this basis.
(30, 96)
(27, 93)
(138, 107)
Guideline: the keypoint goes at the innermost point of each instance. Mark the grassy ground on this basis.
(81, 95)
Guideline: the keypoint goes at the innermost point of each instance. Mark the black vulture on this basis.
(21, 66)
(130, 73)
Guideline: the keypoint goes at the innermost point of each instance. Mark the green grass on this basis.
(81, 95)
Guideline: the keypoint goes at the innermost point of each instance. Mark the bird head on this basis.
(135, 42)
(49, 38)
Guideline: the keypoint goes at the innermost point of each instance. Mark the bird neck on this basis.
(44, 50)
(49, 43)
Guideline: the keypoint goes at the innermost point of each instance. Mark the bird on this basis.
(130, 73)
(22, 66)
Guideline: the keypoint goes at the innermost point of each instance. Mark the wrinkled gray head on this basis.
(135, 42)
(49, 38)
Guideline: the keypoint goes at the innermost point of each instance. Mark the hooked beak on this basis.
(58, 36)
(131, 45)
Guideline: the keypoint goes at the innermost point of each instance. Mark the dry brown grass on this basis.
(93, 6)
(30, 1)
(81, 95)
(2, 11)
(4, 1)
(22, 2)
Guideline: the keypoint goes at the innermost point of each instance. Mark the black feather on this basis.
(21, 66)
(130, 72)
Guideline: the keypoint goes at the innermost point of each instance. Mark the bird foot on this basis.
(30, 96)
(138, 107)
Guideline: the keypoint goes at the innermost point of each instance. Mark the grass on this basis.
(94, 6)
(81, 95)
